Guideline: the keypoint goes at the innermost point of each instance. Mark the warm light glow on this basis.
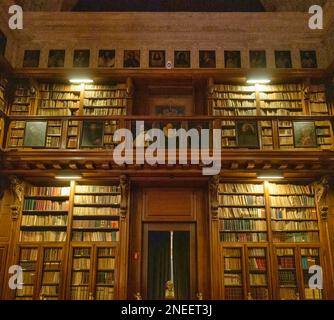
(258, 81)
(68, 177)
(270, 176)
(81, 81)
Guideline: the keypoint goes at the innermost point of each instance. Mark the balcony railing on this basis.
(311, 133)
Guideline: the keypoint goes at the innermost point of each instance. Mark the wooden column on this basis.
(215, 261)
(325, 201)
(124, 231)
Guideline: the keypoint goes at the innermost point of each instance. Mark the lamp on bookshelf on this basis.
(270, 175)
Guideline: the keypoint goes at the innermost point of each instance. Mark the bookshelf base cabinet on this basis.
(268, 240)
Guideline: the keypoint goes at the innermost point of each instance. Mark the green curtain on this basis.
(181, 248)
(158, 263)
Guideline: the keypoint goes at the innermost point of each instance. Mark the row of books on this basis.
(241, 200)
(241, 213)
(243, 237)
(281, 105)
(242, 225)
(96, 189)
(59, 87)
(233, 88)
(236, 112)
(105, 111)
(46, 236)
(106, 264)
(81, 263)
(102, 87)
(95, 224)
(289, 189)
(52, 254)
(51, 277)
(49, 191)
(93, 211)
(232, 263)
(97, 199)
(286, 262)
(258, 279)
(280, 87)
(292, 201)
(234, 104)
(105, 103)
(95, 236)
(80, 277)
(54, 95)
(29, 254)
(287, 278)
(105, 277)
(51, 221)
(54, 112)
(79, 293)
(46, 104)
(292, 213)
(105, 293)
(232, 279)
(241, 188)
(45, 205)
(288, 95)
(105, 94)
(280, 112)
(296, 237)
(52, 142)
(319, 96)
(235, 95)
(313, 294)
(257, 263)
(49, 292)
(294, 225)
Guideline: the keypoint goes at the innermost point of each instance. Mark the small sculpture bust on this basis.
(169, 292)
(137, 296)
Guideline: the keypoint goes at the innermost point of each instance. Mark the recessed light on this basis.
(68, 177)
(258, 81)
(81, 81)
(270, 176)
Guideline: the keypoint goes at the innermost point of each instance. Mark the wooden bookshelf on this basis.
(232, 100)
(45, 214)
(281, 100)
(233, 273)
(242, 215)
(58, 99)
(24, 99)
(93, 272)
(293, 213)
(96, 213)
(105, 100)
(317, 100)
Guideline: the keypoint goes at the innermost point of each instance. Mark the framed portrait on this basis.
(232, 59)
(31, 58)
(3, 43)
(170, 110)
(56, 59)
(207, 59)
(35, 134)
(247, 134)
(106, 59)
(181, 59)
(131, 59)
(304, 134)
(157, 59)
(257, 59)
(92, 134)
(283, 59)
(81, 58)
(308, 59)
